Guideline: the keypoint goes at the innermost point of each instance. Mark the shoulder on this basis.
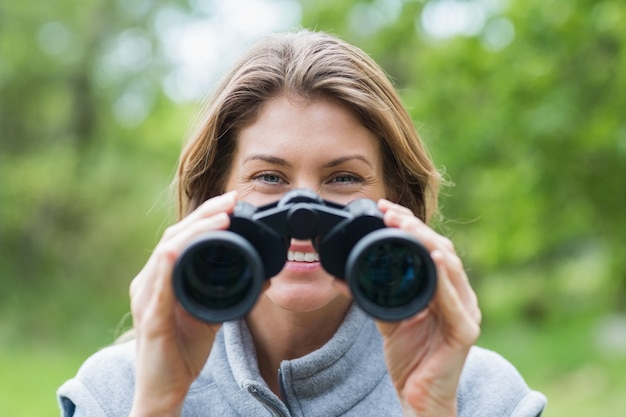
(491, 386)
(104, 381)
(115, 363)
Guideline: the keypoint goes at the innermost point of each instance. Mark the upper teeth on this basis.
(302, 256)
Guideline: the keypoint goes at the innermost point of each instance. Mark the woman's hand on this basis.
(425, 354)
(172, 346)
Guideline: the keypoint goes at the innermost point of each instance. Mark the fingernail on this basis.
(384, 204)
(437, 256)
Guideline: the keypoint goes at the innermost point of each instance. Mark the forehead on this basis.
(285, 125)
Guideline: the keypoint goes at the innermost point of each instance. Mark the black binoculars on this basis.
(219, 276)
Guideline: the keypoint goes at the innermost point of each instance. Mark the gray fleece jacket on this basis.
(346, 377)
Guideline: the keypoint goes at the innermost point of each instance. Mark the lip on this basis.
(303, 266)
(301, 247)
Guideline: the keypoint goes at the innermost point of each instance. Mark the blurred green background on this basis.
(521, 102)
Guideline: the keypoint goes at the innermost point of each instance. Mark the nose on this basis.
(309, 188)
(308, 181)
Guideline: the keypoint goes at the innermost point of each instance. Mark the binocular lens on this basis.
(391, 275)
(219, 277)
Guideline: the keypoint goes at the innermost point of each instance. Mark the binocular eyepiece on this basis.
(219, 276)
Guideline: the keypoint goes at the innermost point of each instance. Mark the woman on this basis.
(302, 110)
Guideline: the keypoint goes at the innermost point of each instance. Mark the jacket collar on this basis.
(325, 382)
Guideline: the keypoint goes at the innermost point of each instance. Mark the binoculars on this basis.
(219, 276)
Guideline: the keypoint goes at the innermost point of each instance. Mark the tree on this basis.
(524, 116)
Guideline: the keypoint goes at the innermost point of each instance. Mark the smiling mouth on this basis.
(296, 256)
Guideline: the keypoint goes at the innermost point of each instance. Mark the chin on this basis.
(302, 294)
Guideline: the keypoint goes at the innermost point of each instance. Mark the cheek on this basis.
(248, 194)
(230, 182)
(384, 190)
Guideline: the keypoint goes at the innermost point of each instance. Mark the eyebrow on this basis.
(266, 158)
(347, 158)
(280, 161)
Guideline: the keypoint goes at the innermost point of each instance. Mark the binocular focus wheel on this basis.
(391, 275)
(201, 294)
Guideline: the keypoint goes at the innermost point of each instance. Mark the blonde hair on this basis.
(308, 65)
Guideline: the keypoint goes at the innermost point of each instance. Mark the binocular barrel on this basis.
(390, 274)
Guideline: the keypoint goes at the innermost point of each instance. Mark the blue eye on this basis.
(269, 178)
(346, 178)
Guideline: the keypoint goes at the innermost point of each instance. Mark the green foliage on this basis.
(83, 190)
(532, 135)
(31, 391)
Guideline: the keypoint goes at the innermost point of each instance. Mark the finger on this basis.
(156, 275)
(461, 283)
(459, 279)
(155, 312)
(222, 203)
(163, 301)
(385, 205)
(401, 217)
(178, 242)
(456, 319)
(423, 233)
(396, 215)
(140, 289)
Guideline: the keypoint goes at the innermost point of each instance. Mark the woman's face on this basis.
(319, 145)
